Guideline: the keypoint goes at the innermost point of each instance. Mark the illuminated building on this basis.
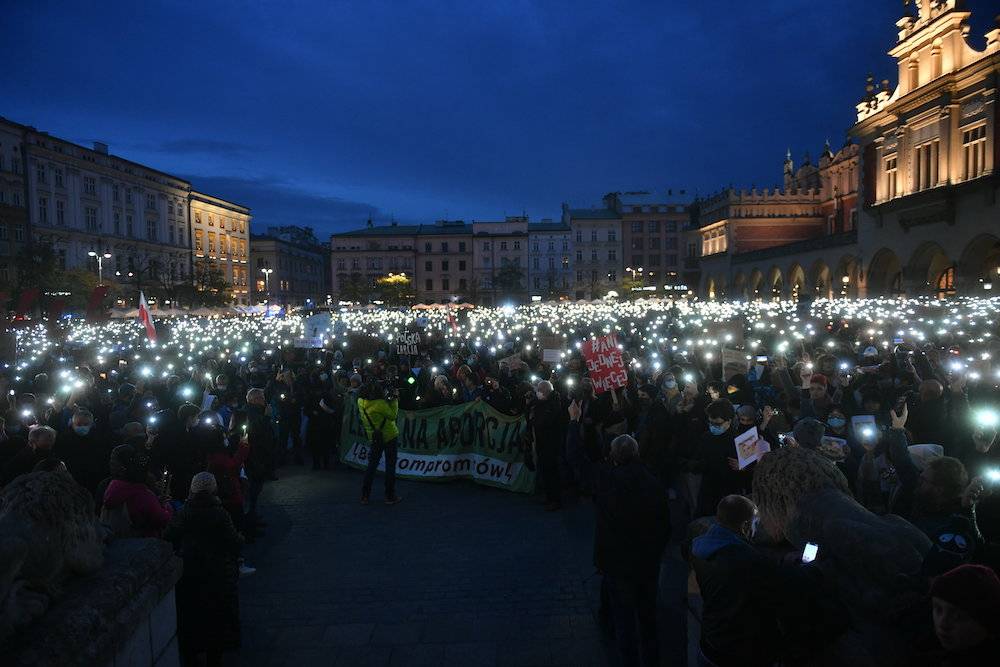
(220, 236)
(13, 206)
(929, 224)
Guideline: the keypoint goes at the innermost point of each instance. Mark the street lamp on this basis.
(100, 264)
(267, 282)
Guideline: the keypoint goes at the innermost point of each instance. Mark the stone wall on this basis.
(123, 615)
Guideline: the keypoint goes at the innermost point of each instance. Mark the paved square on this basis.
(457, 574)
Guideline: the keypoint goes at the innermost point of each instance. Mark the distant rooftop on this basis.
(592, 214)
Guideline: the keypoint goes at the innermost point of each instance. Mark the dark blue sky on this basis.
(318, 112)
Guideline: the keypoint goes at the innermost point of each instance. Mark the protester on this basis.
(148, 513)
(378, 416)
(41, 440)
(208, 621)
(633, 526)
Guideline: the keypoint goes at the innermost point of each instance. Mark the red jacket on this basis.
(149, 516)
(226, 469)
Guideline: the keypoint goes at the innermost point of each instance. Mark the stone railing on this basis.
(123, 615)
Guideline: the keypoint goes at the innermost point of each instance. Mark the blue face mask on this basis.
(81, 430)
(836, 422)
(718, 429)
(670, 384)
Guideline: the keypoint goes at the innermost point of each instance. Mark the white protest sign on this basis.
(750, 447)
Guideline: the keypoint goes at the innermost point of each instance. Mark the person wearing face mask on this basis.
(84, 451)
(716, 460)
(547, 424)
(742, 591)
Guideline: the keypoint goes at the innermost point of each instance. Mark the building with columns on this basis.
(220, 237)
(907, 207)
(931, 221)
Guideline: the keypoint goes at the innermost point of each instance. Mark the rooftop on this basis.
(592, 214)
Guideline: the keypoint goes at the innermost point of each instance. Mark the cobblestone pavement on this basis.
(457, 574)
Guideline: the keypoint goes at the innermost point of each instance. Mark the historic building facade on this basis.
(220, 238)
(290, 267)
(931, 222)
(500, 259)
(908, 206)
(652, 232)
(13, 203)
(597, 250)
(88, 203)
(550, 275)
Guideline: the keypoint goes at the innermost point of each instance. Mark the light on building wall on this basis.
(845, 279)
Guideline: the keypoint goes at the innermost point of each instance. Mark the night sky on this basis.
(322, 113)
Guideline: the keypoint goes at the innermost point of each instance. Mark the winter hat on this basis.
(809, 432)
(203, 482)
(973, 588)
(818, 378)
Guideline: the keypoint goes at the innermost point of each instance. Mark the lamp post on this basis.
(101, 256)
(267, 282)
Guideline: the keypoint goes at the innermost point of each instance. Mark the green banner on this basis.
(468, 441)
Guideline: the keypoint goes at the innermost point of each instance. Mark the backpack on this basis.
(118, 521)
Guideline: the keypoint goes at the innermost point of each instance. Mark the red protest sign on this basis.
(604, 363)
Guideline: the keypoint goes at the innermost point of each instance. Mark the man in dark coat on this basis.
(84, 451)
(208, 608)
(716, 459)
(740, 589)
(633, 526)
(547, 422)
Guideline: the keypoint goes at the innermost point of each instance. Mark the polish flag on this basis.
(146, 318)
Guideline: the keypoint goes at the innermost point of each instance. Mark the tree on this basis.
(628, 285)
(508, 281)
(395, 289)
(210, 286)
(355, 289)
(37, 267)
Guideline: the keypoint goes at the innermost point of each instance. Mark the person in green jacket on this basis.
(378, 416)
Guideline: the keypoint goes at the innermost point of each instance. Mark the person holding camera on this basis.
(378, 411)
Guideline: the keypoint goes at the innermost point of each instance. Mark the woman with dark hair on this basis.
(147, 512)
(378, 416)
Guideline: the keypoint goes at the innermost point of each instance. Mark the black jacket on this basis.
(633, 521)
(741, 592)
(207, 594)
(86, 457)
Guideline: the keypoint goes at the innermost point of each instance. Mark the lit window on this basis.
(974, 152)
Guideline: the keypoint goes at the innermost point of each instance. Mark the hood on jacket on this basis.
(119, 492)
(718, 536)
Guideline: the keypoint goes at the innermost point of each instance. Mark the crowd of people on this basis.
(178, 441)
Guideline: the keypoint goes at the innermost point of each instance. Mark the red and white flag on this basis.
(146, 318)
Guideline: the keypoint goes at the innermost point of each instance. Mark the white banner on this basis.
(470, 465)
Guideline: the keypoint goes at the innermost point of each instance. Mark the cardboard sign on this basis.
(750, 447)
(551, 356)
(605, 366)
(408, 343)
